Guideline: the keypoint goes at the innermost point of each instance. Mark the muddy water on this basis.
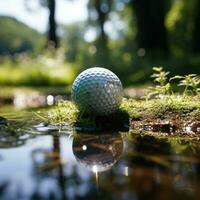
(38, 161)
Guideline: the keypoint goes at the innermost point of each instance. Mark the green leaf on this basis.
(157, 69)
(176, 77)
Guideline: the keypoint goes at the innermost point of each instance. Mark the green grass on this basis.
(65, 112)
(174, 106)
(168, 108)
(40, 71)
(36, 76)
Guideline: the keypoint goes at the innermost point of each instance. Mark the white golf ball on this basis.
(98, 91)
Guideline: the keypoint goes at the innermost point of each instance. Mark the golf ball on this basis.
(98, 91)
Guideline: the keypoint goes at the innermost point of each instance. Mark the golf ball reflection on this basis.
(97, 152)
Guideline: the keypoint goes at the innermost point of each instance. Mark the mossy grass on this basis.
(159, 103)
(167, 108)
(66, 113)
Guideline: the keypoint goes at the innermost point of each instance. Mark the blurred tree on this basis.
(98, 15)
(99, 12)
(180, 24)
(196, 31)
(52, 35)
(150, 17)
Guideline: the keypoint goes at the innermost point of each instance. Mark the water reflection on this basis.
(158, 170)
(98, 152)
(131, 166)
(48, 171)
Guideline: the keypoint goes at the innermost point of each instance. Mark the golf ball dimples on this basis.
(97, 90)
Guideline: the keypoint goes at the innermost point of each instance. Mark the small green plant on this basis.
(160, 75)
(162, 87)
(191, 83)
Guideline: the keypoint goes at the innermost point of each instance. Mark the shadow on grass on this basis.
(118, 121)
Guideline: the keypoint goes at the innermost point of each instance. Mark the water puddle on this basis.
(40, 161)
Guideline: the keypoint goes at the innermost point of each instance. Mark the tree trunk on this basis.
(57, 152)
(196, 31)
(52, 37)
(101, 20)
(150, 16)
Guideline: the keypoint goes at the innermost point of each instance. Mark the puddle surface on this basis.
(41, 162)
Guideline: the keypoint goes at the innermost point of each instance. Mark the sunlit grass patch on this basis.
(36, 76)
(38, 71)
(167, 108)
(66, 112)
